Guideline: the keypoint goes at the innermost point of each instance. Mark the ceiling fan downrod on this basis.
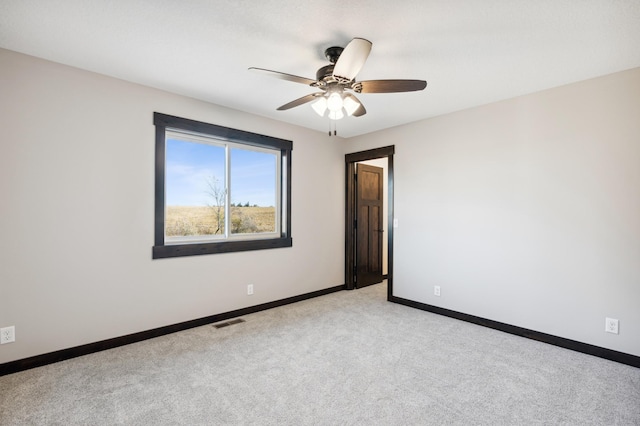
(333, 53)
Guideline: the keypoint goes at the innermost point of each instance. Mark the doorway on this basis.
(365, 236)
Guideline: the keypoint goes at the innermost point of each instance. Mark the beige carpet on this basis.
(348, 358)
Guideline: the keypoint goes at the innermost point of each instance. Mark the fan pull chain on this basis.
(335, 132)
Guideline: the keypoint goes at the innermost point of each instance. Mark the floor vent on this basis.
(228, 323)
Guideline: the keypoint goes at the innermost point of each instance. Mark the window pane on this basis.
(194, 189)
(254, 191)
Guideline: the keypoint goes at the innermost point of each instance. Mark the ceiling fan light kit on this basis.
(337, 104)
(337, 80)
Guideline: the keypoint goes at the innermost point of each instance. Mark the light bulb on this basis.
(334, 102)
(320, 106)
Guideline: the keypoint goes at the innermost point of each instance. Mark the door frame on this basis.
(350, 212)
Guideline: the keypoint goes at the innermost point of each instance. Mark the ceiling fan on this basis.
(337, 82)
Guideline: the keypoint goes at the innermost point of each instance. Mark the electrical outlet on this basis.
(436, 290)
(611, 325)
(7, 335)
(250, 289)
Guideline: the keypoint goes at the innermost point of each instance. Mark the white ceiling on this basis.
(471, 52)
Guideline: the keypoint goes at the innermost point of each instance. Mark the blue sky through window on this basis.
(189, 166)
(253, 177)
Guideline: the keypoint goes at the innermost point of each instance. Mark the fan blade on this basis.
(284, 76)
(361, 109)
(300, 101)
(389, 86)
(351, 60)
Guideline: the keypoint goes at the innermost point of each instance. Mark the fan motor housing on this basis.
(325, 73)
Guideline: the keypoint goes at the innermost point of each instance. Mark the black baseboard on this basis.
(573, 345)
(64, 354)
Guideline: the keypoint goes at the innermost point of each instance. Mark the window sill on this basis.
(177, 250)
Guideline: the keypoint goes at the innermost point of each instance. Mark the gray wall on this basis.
(77, 194)
(526, 211)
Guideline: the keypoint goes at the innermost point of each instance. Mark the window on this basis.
(219, 190)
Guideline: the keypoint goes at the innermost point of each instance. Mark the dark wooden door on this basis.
(368, 225)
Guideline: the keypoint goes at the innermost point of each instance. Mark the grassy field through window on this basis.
(201, 220)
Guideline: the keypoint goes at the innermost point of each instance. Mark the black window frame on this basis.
(164, 122)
